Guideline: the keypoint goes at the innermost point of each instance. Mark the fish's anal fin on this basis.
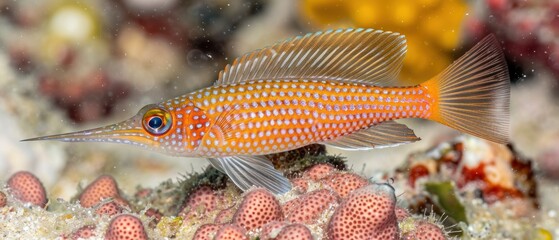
(249, 171)
(386, 134)
(364, 56)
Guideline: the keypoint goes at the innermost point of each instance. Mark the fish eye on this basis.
(157, 121)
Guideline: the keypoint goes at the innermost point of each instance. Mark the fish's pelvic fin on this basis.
(473, 94)
(216, 164)
(386, 134)
(365, 56)
(248, 171)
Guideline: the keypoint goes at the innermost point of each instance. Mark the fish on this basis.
(338, 87)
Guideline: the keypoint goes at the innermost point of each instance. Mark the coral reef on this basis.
(458, 188)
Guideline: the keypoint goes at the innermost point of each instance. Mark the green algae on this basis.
(445, 196)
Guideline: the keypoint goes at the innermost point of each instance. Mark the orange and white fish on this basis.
(338, 88)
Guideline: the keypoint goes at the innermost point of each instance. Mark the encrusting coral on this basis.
(27, 188)
(424, 230)
(126, 226)
(328, 202)
(366, 213)
(257, 208)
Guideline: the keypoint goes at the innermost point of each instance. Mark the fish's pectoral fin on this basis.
(226, 124)
(248, 171)
(386, 134)
(364, 56)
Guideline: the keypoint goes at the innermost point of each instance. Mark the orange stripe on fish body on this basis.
(338, 88)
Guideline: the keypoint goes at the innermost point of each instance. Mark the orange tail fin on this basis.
(473, 94)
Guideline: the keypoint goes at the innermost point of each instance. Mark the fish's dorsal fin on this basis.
(365, 56)
(386, 134)
(249, 171)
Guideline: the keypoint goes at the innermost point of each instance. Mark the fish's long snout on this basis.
(65, 137)
(126, 130)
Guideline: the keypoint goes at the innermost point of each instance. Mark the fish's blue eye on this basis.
(157, 121)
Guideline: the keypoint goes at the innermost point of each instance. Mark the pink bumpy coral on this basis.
(425, 231)
(295, 232)
(84, 232)
(311, 206)
(300, 184)
(206, 232)
(231, 232)
(257, 208)
(28, 188)
(271, 230)
(319, 171)
(220, 232)
(201, 201)
(367, 213)
(110, 208)
(344, 183)
(103, 187)
(401, 213)
(126, 227)
(225, 215)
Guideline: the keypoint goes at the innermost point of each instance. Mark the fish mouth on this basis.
(124, 132)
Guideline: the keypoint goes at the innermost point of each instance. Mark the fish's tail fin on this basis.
(473, 94)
